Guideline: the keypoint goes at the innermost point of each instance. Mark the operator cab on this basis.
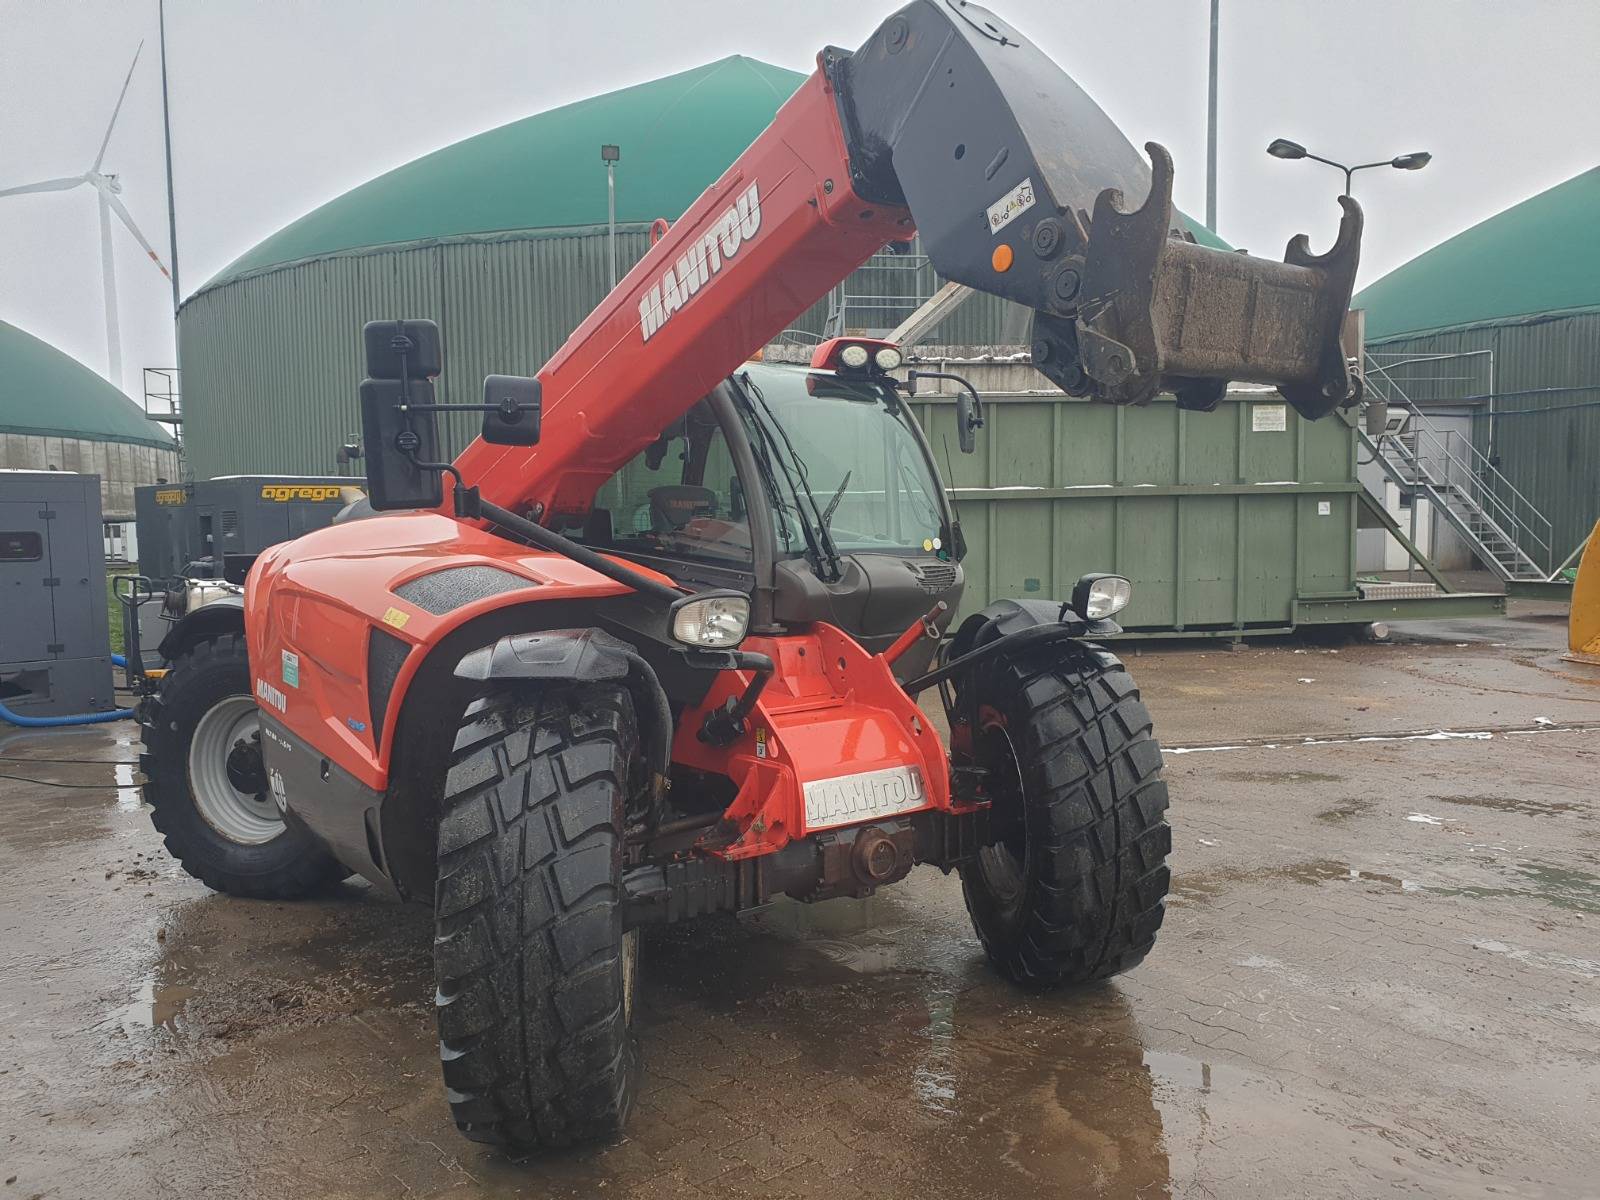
(811, 489)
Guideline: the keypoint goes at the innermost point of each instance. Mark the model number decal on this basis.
(1011, 206)
(702, 260)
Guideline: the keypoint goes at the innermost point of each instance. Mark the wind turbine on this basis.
(107, 189)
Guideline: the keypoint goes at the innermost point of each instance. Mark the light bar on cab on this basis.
(856, 356)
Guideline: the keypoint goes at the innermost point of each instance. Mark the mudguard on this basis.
(225, 614)
(581, 656)
(1005, 617)
(574, 655)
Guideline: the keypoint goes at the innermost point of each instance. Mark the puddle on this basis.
(1356, 806)
(1280, 777)
(1527, 806)
(155, 1006)
(1559, 887)
(129, 797)
(1207, 885)
(1345, 739)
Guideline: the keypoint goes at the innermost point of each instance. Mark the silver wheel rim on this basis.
(630, 973)
(249, 820)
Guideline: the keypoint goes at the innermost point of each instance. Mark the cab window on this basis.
(679, 497)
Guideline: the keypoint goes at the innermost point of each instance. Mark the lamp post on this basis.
(609, 155)
(1285, 149)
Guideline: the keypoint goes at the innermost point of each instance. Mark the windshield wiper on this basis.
(824, 553)
(827, 513)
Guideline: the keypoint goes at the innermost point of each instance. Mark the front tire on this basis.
(536, 976)
(1073, 887)
(207, 787)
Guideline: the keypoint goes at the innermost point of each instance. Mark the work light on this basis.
(717, 621)
(1099, 596)
(854, 356)
(888, 358)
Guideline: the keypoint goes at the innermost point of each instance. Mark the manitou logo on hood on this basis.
(702, 260)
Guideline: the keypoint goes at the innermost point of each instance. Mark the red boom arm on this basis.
(757, 249)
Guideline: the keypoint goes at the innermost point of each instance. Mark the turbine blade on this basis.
(106, 141)
(126, 218)
(46, 185)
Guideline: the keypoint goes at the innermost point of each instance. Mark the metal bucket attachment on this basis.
(1144, 309)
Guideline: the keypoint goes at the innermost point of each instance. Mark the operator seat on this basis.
(674, 505)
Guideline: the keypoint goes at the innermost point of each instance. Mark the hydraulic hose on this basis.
(100, 718)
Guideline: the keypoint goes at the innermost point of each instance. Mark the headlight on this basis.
(715, 622)
(854, 357)
(1099, 596)
(887, 358)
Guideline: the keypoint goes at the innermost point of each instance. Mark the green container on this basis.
(1224, 521)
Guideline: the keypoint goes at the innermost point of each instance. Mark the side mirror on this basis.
(969, 419)
(512, 409)
(399, 426)
(403, 349)
(402, 445)
(969, 409)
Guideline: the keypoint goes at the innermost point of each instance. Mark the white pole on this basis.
(1211, 125)
(611, 219)
(108, 271)
(166, 133)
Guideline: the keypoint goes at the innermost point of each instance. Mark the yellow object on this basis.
(1001, 257)
(396, 617)
(1583, 623)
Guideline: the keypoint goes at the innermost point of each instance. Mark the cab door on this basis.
(682, 505)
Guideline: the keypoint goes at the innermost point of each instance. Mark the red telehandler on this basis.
(652, 646)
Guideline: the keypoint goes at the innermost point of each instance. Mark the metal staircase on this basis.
(1503, 527)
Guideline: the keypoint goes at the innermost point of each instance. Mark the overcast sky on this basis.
(279, 105)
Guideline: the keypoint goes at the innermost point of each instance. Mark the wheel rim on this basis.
(1004, 862)
(249, 818)
(630, 973)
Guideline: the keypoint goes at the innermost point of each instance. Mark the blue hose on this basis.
(116, 714)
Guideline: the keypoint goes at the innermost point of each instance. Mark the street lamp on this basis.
(1285, 149)
(609, 155)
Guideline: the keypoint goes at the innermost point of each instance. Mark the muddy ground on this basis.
(1379, 975)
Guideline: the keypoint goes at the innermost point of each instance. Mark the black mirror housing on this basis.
(969, 419)
(396, 442)
(417, 341)
(512, 410)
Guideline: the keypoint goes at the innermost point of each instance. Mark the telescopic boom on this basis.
(949, 123)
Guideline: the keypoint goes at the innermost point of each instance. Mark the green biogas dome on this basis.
(58, 415)
(501, 238)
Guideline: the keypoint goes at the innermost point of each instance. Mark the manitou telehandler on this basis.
(652, 647)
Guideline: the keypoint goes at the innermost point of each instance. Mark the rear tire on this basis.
(233, 839)
(535, 974)
(1073, 887)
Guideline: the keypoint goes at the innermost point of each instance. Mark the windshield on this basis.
(849, 458)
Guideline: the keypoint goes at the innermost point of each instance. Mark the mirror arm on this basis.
(976, 421)
(914, 375)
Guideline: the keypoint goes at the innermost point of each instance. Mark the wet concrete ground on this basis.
(1379, 975)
